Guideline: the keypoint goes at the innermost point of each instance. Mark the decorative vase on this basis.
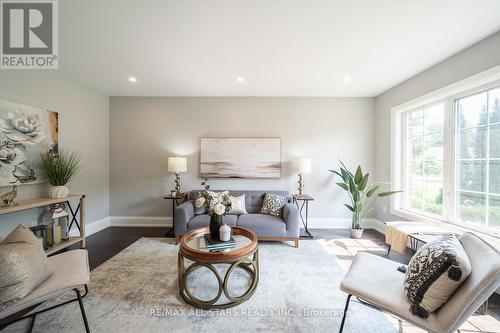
(215, 224)
(356, 233)
(225, 233)
(58, 192)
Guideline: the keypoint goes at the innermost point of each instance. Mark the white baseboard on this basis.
(160, 221)
(374, 224)
(140, 221)
(344, 223)
(92, 227)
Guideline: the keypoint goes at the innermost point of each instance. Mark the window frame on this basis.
(447, 95)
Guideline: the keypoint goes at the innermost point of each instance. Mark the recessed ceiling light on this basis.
(240, 79)
(132, 79)
(347, 79)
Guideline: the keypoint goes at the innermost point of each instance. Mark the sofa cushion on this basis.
(253, 198)
(23, 265)
(200, 221)
(237, 205)
(434, 273)
(273, 205)
(263, 225)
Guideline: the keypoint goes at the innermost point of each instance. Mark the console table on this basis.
(79, 210)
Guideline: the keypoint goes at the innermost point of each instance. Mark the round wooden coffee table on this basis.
(244, 254)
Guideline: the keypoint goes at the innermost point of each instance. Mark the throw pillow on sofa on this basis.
(23, 265)
(434, 273)
(273, 204)
(238, 206)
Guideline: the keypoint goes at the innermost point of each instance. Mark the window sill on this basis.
(492, 235)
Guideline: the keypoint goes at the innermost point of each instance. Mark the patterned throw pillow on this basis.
(434, 273)
(273, 204)
(237, 205)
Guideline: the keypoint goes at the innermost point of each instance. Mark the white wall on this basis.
(145, 131)
(475, 59)
(83, 127)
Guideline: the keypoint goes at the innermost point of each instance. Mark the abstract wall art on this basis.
(240, 158)
(25, 132)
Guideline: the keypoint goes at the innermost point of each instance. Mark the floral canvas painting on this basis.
(25, 132)
(240, 158)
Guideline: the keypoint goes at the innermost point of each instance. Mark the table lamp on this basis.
(301, 165)
(177, 165)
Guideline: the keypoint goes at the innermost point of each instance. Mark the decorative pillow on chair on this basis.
(237, 205)
(434, 273)
(273, 204)
(23, 265)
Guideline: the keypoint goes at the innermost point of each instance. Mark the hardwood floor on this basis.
(105, 244)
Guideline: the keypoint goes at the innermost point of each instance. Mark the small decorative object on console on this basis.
(8, 198)
(59, 168)
(57, 221)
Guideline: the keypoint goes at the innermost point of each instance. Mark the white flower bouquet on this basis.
(217, 203)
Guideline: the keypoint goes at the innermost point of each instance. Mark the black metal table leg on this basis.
(304, 205)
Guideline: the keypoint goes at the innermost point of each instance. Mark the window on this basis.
(446, 154)
(478, 158)
(424, 159)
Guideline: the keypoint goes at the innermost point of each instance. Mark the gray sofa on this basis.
(266, 227)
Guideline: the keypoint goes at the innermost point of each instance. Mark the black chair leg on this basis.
(345, 313)
(82, 309)
(32, 323)
(388, 250)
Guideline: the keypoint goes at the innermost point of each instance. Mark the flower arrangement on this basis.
(217, 203)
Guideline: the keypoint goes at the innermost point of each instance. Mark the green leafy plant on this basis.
(362, 195)
(60, 168)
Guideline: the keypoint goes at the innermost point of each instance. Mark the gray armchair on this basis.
(266, 227)
(376, 281)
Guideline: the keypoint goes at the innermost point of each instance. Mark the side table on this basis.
(304, 216)
(177, 199)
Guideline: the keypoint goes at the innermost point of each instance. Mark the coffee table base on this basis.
(251, 265)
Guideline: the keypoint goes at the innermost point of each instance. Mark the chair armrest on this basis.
(292, 219)
(183, 213)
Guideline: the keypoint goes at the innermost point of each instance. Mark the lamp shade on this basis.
(302, 165)
(177, 164)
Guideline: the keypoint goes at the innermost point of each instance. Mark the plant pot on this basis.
(58, 192)
(356, 233)
(215, 224)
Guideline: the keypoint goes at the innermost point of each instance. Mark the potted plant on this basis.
(361, 195)
(59, 168)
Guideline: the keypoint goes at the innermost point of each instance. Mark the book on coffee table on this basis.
(215, 244)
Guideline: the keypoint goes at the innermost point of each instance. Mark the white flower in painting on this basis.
(7, 153)
(24, 173)
(199, 202)
(22, 127)
(219, 209)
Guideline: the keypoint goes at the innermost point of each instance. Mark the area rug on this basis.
(137, 291)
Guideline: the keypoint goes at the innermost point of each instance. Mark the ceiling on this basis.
(279, 47)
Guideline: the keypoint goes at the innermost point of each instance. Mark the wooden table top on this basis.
(192, 245)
